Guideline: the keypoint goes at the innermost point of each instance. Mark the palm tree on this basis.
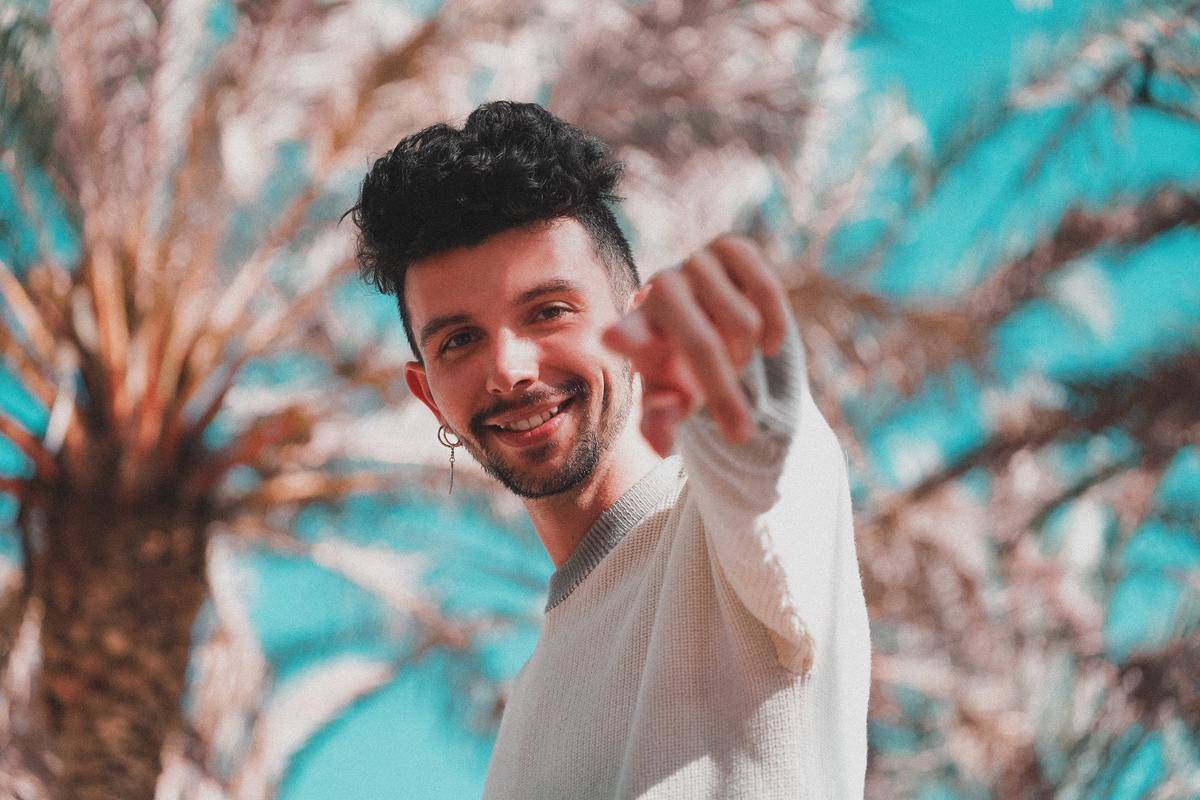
(132, 347)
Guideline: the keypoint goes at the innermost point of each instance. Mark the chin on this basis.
(548, 481)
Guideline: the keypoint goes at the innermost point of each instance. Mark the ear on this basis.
(418, 384)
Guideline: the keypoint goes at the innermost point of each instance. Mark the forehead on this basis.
(494, 273)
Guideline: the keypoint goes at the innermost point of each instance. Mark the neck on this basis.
(562, 520)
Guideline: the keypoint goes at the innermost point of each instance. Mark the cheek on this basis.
(612, 371)
(449, 394)
(600, 366)
(573, 354)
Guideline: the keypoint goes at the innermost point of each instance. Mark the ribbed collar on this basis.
(612, 525)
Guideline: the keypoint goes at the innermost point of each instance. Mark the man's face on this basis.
(510, 328)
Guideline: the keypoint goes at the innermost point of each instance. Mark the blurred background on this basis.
(230, 566)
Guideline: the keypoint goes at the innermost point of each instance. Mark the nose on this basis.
(514, 363)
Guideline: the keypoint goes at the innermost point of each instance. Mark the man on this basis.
(705, 633)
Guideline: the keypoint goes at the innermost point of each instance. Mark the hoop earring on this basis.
(444, 434)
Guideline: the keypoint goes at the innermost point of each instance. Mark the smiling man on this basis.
(705, 633)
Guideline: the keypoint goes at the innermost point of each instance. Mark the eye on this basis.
(449, 343)
(561, 309)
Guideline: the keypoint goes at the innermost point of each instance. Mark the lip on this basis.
(534, 435)
(529, 412)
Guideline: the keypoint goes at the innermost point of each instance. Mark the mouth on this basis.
(538, 432)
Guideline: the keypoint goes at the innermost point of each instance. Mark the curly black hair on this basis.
(510, 165)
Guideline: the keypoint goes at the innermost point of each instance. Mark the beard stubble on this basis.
(591, 443)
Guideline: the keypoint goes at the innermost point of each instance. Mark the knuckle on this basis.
(748, 321)
(772, 304)
(740, 247)
(763, 281)
(705, 345)
(672, 277)
(655, 298)
(662, 283)
(730, 239)
(703, 271)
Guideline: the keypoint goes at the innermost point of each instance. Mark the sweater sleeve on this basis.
(775, 508)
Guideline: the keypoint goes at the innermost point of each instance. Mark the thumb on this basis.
(661, 412)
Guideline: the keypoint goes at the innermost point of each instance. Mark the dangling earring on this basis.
(444, 434)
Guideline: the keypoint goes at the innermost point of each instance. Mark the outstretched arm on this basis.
(724, 374)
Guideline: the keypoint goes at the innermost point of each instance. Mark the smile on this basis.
(531, 422)
(534, 428)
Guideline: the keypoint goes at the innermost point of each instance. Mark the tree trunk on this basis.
(121, 588)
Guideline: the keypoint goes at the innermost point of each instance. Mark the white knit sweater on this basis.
(708, 638)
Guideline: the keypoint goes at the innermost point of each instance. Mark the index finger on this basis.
(653, 357)
(749, 270)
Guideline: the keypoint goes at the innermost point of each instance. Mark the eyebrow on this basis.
(552, 286)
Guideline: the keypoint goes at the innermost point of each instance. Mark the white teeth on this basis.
(531, 422)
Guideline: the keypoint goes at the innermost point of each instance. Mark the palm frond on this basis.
(102, 52)
(27, 316)
(29, 89)
(1121, 223)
